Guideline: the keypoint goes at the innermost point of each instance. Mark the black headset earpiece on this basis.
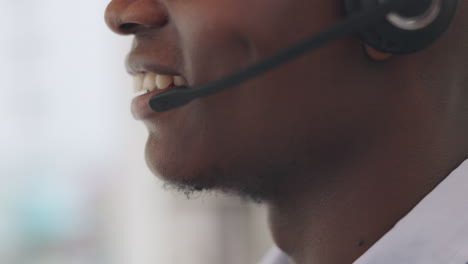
(408, 31)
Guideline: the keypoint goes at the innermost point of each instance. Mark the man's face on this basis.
(251, 138)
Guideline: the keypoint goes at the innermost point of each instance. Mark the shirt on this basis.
(433, 232)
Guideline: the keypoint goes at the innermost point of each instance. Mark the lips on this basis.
(140, 106)
(150, 78)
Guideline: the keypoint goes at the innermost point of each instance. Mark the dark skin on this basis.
(338, 145)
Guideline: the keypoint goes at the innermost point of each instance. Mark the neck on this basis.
(341, 212)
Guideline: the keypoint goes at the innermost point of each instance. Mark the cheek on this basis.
(213, 54)
(282, 115)
(213, 132)
(211, 39)
(277, 115)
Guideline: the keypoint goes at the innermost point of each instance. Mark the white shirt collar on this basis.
(434, 232)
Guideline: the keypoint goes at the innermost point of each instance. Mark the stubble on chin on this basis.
(253, 186)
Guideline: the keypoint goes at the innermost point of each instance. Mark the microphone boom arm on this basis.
(182, 95)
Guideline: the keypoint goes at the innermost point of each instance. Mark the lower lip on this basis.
(140, 106)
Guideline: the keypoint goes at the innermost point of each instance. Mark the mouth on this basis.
(148, 84)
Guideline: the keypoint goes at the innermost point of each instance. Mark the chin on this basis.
(247, 178)
(181, 169)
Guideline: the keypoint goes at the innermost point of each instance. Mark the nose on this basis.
(130, 16)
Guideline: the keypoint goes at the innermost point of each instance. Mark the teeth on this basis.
(163, 81)
(179, 81)
(149, 84)
(150, 81)
(138, 82)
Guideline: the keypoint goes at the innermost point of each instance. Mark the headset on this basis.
(390, 26)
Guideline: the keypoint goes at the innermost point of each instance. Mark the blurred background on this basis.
(74, 187)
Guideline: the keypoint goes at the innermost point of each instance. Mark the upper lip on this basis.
(139, 63)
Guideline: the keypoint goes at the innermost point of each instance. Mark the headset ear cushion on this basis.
(389, 38)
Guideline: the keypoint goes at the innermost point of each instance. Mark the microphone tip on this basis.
(171, 99)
